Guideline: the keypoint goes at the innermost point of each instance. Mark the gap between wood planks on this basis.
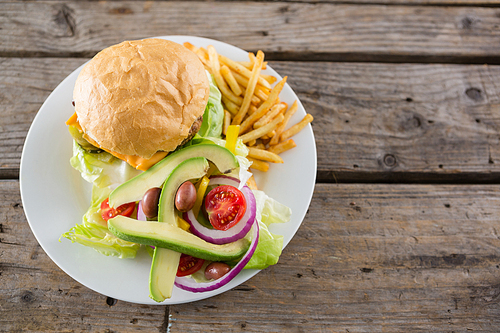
(408, 3)
(353, 177)
(309, 56)
(348, 177)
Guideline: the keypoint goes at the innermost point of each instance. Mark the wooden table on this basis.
(403, 231)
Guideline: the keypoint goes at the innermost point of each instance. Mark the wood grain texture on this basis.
(401, 122)
(303, 31)
(24, 86)
(36, 296)
(367, 258)
(477, 3)
(373, 122)
(373, 258)
(492, 3)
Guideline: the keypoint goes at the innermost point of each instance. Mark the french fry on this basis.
(255, 100)
(190, 46)
(231, 81)
(264, 155)
(249, 101)
(296, 128)
(259, 165)
(243, 80)
(269, 135)
(250, 89)
(264, 107)
(252, 57)
(252, 109)
(260, 92)
(273, 112)
(251, 183)
(282, 146)
(257, 133)
(205, 62)
(215, 66)
(230, 106)
(288, 114)
(227, 121)
(249, 64)
(242, 70)
(269, 78)
(202, 55)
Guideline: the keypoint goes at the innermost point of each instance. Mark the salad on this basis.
(202, 193)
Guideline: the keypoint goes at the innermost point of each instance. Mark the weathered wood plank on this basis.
(492, 3)
(477, 3)
(304, 31)
(373, 258)
(24, 86)
(404, 123)
(373, 122)
(36, 296)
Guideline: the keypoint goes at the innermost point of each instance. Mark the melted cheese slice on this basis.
(135, 161)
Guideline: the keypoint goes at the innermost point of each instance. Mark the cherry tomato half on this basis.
(225, 206)
(108, 212)
(189, 265)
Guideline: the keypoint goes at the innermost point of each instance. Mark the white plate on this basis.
(55, 197)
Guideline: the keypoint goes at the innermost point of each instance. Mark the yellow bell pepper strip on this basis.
(200, 194)
(232, 137)
(181, 223)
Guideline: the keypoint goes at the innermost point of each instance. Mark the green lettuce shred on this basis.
(270, 245)
(213, 117)
(94, 233)
(101, 169)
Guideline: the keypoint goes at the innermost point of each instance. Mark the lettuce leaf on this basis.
(270, 245)
(105, 172)
(101, 169)
(94, 233)
(213, 117)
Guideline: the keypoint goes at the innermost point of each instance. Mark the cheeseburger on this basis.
(139, 100)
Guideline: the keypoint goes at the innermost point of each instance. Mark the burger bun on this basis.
(140, 97)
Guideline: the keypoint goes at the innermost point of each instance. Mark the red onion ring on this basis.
(141, 216)
(140, 213)
(189, 284)
(238, 231)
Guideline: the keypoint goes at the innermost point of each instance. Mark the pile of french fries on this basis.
(251, 102)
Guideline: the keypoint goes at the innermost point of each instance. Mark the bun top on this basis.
(140, 97)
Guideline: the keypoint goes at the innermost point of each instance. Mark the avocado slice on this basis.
(166, 261)
(134, 189)
(166, 236)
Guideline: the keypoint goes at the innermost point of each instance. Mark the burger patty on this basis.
(92, 149)
(193, 130)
